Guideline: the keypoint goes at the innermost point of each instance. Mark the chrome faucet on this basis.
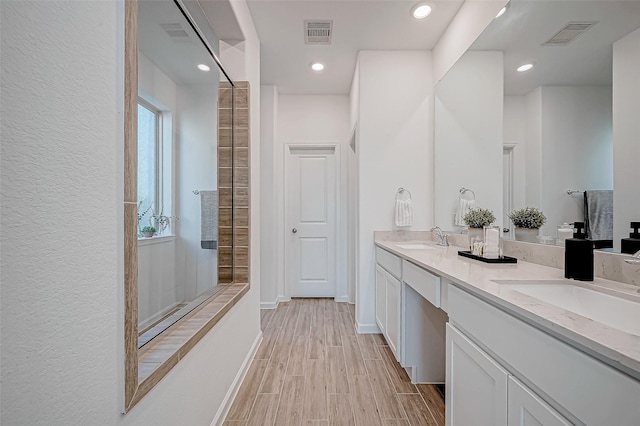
(441, 238)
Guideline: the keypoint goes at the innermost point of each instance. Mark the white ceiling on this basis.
(357, 25)
(587, 60)
(176, 57)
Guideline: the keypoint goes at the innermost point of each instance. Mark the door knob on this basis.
(294, 230)
(505, 229)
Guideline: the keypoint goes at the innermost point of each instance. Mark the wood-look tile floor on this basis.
(312, 368)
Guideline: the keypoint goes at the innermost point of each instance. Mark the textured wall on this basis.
(60, 133)
(61, 268)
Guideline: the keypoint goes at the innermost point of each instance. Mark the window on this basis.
(149, 164)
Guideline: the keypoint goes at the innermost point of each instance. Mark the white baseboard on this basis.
(274, 304)
(235, 386)
(367, 328)
(269, 305)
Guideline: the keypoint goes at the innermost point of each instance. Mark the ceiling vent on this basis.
(318, 32)
(174, 30)
(569, 33)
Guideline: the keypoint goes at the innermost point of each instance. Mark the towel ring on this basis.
(402, 191)
(464, 190)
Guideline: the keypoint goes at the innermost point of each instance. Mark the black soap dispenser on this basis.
(631, 245)
(578, 255)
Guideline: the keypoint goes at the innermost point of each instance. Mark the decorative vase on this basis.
(528, 235)
(475, 234)
(148, 234)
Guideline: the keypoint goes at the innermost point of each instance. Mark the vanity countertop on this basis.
(616, 348)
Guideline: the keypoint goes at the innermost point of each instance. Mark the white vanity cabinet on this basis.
(491, 353)
(408, 301)
(381, 299)
(525, 408)
(476, 384)
(481, 392)
(393, 315)
(388, 298)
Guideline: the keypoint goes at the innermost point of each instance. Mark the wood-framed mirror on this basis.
(182, 175)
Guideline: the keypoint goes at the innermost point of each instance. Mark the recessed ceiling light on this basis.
(421, 10)
(525, 67)
(317, 66)
(502, 11)
(203, 67)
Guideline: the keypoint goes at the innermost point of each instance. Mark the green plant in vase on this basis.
(476, 219)
(527, 222)
(148, 231)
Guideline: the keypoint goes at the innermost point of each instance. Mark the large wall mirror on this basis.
(182, 176)
(538, 138)
(178, 86)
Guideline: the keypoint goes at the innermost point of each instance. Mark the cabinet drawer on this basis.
(425, 283)
(390, 262)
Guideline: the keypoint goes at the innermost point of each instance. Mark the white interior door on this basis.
(311, 204)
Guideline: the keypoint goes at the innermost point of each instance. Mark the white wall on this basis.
(158, 289)
(472, 18)
(308, 119)
(155, 86)
(196, 168)
(178, 270)
(468, 136)
(394, 150)
(60, 133)
(533, 153)
(242, 62)
(352, 186)
(62, 293)
(626, 128)
(269, 260)
(514, 134)
(577, 150)
(568, 146)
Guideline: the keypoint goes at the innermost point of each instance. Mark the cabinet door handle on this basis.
(294, 230)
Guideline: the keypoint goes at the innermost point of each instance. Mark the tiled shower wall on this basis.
(233, 258)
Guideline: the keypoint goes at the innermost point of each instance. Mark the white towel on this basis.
(463, 208)
(404, 212)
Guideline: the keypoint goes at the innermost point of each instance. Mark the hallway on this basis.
(312, 368)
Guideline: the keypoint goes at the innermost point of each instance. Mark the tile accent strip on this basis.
(233, 178)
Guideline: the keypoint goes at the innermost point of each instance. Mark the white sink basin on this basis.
(414, 246)
(589, 301)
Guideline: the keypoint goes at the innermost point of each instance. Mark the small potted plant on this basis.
(527, 222)
(148, 231)
(476, 219)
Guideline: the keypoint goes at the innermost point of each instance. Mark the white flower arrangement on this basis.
(528, 217)
(477, 218)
